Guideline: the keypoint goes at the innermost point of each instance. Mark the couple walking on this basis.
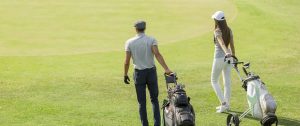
(143, 48)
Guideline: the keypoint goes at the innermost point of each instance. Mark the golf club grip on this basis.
(245, 71)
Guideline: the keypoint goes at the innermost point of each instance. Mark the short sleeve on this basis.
(231, 36)
(217, 33)
(127, 49)
(154, 41)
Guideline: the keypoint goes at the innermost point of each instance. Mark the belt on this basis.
(145, 69)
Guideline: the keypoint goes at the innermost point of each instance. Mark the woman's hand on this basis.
(227, 55)
(235, 58)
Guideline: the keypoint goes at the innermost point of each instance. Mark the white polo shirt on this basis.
(141, 52)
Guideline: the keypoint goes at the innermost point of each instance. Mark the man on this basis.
(142, 49)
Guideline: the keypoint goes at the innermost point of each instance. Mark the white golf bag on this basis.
(261, 103)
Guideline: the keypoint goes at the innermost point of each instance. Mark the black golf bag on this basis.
(177, 110)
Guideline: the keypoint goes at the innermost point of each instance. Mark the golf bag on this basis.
(261, 103)
(260, 100)
(177, 110)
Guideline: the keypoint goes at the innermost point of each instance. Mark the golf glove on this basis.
(126, 79)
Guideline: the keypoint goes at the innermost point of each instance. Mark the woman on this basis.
(224, 47)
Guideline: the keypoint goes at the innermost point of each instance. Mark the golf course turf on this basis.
(61, 62)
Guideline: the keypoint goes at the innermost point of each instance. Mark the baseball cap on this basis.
(140, 24)
(219, 16)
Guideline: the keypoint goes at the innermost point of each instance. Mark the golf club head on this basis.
(246, 65)
(181, 86)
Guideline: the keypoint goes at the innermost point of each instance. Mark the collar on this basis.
(140, 34)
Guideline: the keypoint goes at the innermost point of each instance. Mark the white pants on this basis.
(220, 66)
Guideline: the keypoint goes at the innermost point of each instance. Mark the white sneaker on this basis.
(218, 107)
(223, 108)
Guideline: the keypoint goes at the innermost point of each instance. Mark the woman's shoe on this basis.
(218, 107)
(223, 108)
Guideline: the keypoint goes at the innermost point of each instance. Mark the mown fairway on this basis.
(62, 61)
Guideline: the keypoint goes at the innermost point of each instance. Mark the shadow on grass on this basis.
(288, 122)
(282, 121)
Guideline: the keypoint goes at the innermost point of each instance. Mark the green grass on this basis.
(74, 27)
(62, 62)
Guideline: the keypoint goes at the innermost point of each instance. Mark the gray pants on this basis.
(143, 78)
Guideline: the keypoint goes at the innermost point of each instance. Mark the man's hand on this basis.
(126, 79)
(168, 72)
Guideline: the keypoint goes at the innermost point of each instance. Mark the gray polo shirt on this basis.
(141, 52)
